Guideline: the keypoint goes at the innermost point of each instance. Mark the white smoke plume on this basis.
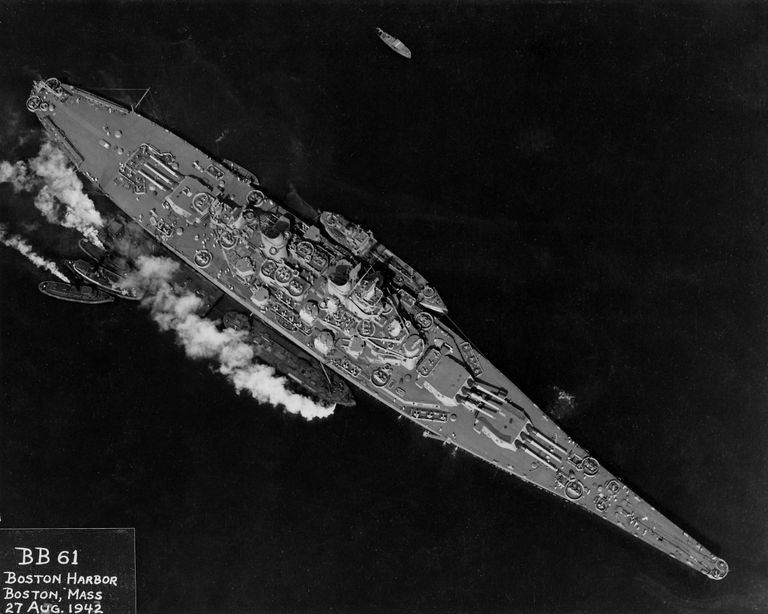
(20, 245)
(201, 338)
(60, 197)
(62, 185)
(17, 174)
(133, 242)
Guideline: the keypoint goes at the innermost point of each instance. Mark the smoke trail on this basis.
(60, 197)
(17, 174)
(62, 185)
(201, 338)
(24, 248)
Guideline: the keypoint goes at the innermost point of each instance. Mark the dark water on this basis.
(585, 185)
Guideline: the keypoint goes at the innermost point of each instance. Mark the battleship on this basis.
(395, 44)
(328, 287)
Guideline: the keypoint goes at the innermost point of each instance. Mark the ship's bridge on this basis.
(191, 199)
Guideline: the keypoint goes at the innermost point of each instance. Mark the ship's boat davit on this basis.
(330, 288)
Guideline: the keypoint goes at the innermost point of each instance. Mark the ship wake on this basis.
(59, 191)
(174, 310)
(25, 249)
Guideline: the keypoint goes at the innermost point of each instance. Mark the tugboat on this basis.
(395, 44)
(331, 289)
(90, 250)
(74, 294)
(103, 278)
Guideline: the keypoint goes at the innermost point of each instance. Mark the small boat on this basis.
(241, 171)
(106, 259)
(70, 292)
(90, 250)
(395, 44)
(104, 279)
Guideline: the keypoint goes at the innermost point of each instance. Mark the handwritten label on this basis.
(67, 571)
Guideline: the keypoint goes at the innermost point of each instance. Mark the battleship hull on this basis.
(335, 292)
